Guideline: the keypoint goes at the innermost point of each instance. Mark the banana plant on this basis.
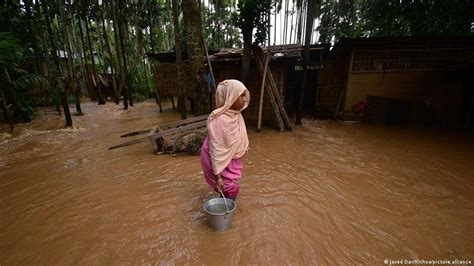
(15, 82)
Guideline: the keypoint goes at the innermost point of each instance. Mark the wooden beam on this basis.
(180, 123)
(262, 90)
(161, 134)
(273, 89)
(296, 49)
(276, 112)
(209, 62)
(168, 125)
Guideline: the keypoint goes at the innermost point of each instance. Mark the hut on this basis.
(285, 66)
(414, 80)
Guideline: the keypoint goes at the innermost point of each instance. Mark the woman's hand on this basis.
(219, 183)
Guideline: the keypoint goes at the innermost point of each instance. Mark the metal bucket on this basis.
(218, 217)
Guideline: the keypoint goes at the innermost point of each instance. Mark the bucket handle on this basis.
(226, 207)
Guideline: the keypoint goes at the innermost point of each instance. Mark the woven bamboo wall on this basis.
(167, 79)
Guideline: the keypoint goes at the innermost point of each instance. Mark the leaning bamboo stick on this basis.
(276, 95)
(209, 63)
(279, 103)
(276, 112)
(262, 90)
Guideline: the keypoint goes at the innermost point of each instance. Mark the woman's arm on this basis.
(219, 183)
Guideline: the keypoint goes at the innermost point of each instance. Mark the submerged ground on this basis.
(327, 192)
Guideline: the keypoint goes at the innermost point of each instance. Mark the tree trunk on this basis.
(109, 52)
(72, 73)
(77, 48)
(153, 68)
(299, 25)
(53, 52)
(118, 49)
(95, 76)
(285, 24)
(152, 35)
(6, 113)
(32, 29)
(42, 67)
(169, 29)
(101, 49)
(390, 19)
(274, 26)
(307, 42)
(126, 92)
(16, 101)
(291, 28)
(141, 50)
(179, 60)
(247, 56)
(217, 19)
(195, 49)
(46, 66)
(87, 72)
(127, 85)
(269, 28)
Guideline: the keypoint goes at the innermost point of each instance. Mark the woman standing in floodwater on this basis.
(226, 141)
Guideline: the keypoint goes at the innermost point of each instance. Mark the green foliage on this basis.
(10, 53)
(221, 19)
(141, 87)
(223, 3)
(147, 24)
(251, 14)
(15, 80)
(373, 18)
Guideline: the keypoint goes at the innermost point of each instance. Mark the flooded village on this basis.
(361, 150)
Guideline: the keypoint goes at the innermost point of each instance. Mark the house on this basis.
(408, 80)
(414, 80)
(226, 64)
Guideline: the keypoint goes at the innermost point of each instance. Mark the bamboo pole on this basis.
(275, 109)
(262, 90)
(209, 62)
(281, 108)
(275, 95)
(210, 70)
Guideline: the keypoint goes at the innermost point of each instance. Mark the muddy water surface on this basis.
(324, 193)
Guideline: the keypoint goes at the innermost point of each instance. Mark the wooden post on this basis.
(262, 90)
(210, 70)
(209, 62)
(278, 101)
(317, 85)
(275, 109)
(343, 90)
(272, 88)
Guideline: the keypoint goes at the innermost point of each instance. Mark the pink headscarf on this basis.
(226, 128)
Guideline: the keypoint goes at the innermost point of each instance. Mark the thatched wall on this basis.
(167, 82)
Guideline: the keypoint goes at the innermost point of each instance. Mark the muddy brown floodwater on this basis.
(325, 193)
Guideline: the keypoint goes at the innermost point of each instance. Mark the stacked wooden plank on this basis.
(269, 86)
(164, 137)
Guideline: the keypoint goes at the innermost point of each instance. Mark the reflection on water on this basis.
(324, 193)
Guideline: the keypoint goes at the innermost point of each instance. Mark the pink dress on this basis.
(230, 175)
